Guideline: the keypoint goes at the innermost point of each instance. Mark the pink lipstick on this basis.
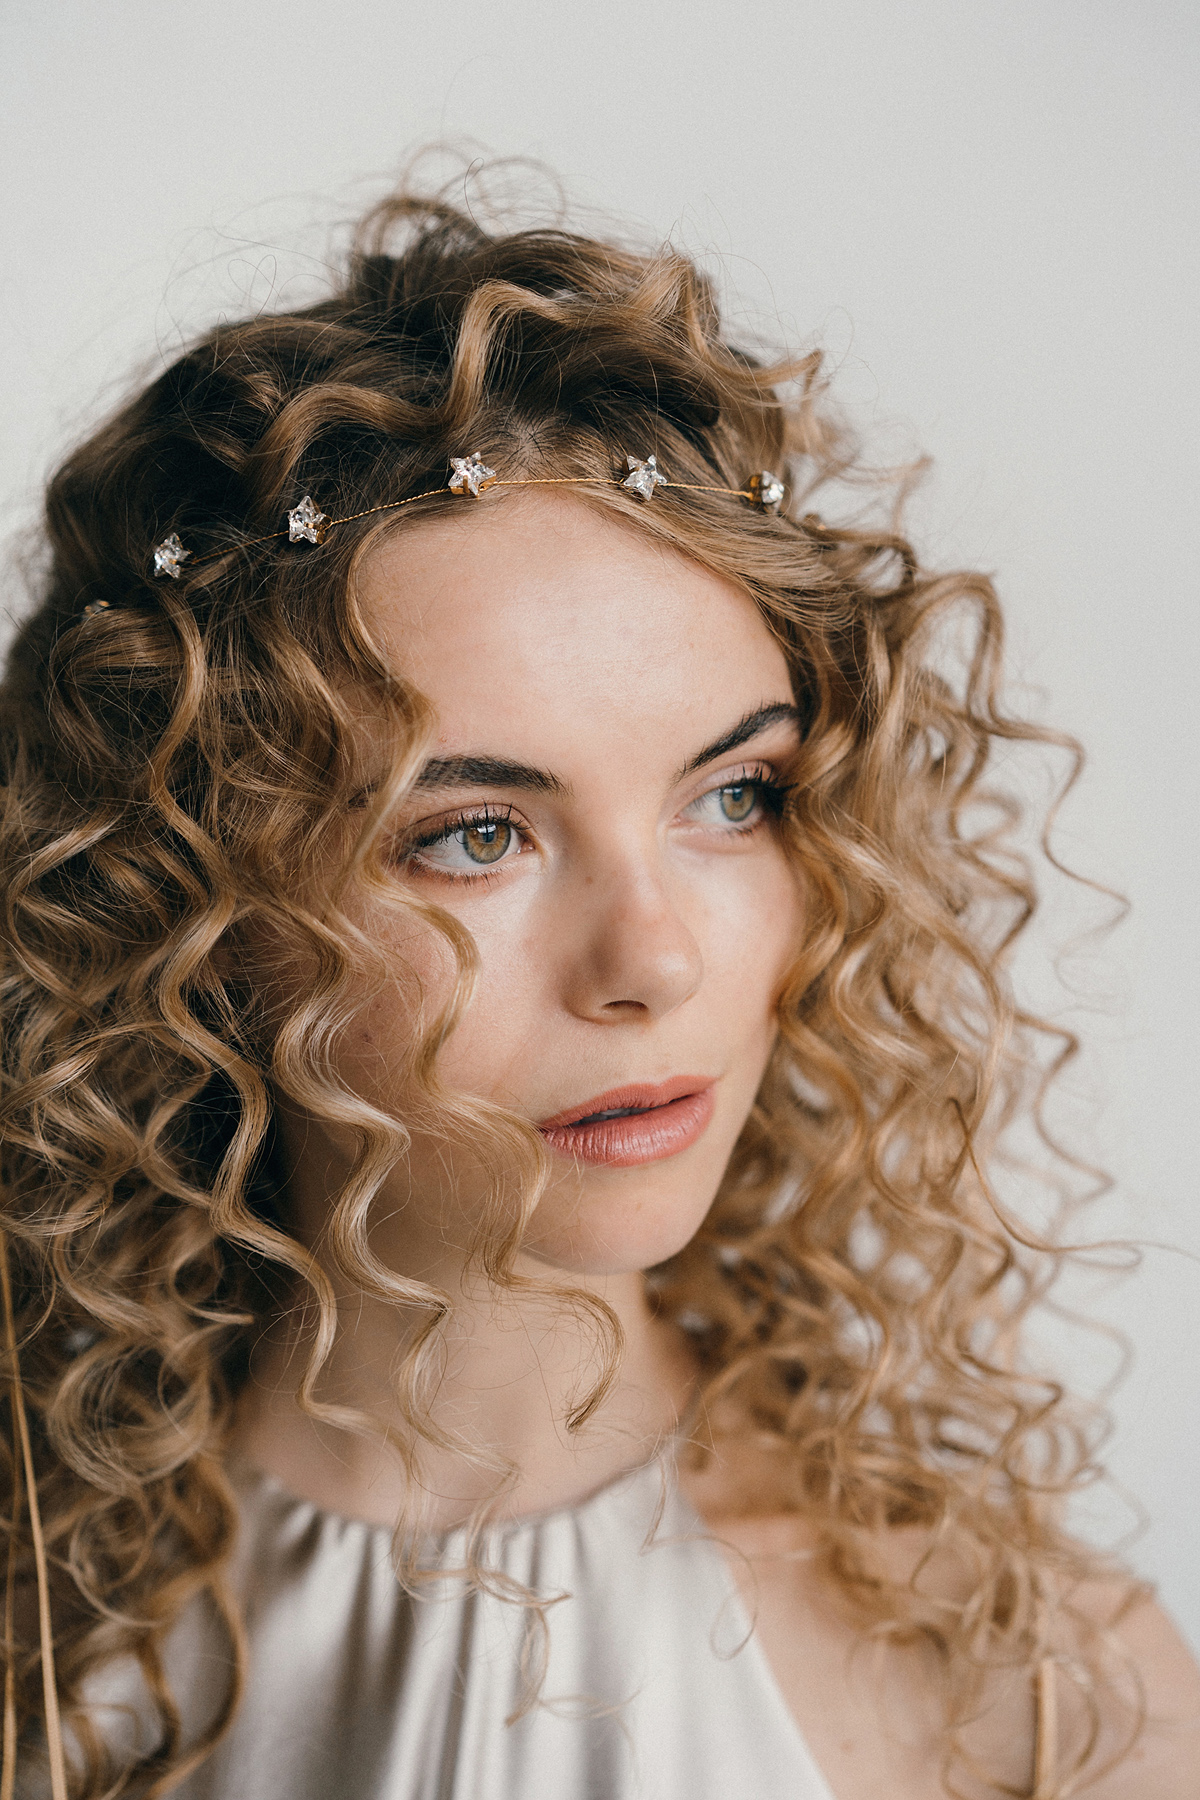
(640, 1123)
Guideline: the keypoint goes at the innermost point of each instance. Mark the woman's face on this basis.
(597, 810)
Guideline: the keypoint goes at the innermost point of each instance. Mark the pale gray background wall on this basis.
(988, 214)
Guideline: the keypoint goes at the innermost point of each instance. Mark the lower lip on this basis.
(638, 1138)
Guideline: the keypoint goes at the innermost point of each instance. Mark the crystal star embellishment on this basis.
(305, 521)
(643, 477)
(766, 490)
(470, 475)
(169, 557)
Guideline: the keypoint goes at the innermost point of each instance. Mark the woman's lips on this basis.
(631, 1125)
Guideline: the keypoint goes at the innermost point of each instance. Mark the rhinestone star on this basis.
(767, 491)
(643, 477)
(305, 521)
(471, 475)
(169, 556)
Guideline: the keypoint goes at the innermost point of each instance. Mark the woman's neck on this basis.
(511, 1369)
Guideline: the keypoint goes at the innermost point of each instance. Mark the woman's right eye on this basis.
(469, 846)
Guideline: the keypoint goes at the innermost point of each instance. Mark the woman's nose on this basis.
(632, 956)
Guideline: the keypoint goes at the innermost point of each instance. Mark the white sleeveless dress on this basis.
(655, 1686)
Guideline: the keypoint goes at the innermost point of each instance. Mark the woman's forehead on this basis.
(542, 607)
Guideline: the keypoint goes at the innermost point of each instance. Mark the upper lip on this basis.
(637, 1095)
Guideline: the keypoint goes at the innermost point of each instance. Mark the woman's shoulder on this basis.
(1159, 1678)
(870, 1700)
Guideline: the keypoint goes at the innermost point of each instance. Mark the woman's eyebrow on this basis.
(499, 772)
(746, 728)
(486, 771)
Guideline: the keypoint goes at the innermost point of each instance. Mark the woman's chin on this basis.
(597, 1238)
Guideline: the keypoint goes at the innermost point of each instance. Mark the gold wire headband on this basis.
(469, 475)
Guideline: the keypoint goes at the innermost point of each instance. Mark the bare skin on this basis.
(871, 1711)
(629, 930)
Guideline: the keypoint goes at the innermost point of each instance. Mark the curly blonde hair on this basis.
(177, 754)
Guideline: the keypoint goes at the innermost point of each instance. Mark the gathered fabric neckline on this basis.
(249, 1478)
(648, 1681)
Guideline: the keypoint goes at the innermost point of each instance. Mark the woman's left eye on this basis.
(468, 846)
(742, 802)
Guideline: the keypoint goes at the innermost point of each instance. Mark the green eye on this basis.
(739, 801)
(746, 802)
(462, 849)
(486, 840)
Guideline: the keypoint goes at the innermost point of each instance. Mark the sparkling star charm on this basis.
(643, 477)
(471, 475)
(169, 557)
(305, 521)
(767, 491)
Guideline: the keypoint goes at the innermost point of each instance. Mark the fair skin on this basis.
(597, 813)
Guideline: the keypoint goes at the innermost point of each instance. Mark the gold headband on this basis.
(469, 476)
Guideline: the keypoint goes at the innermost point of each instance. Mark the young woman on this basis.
(505, 1021)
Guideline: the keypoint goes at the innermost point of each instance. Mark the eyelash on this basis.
(462, 821)
(772, 795)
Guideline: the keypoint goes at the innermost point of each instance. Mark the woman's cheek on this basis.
(753, 930)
